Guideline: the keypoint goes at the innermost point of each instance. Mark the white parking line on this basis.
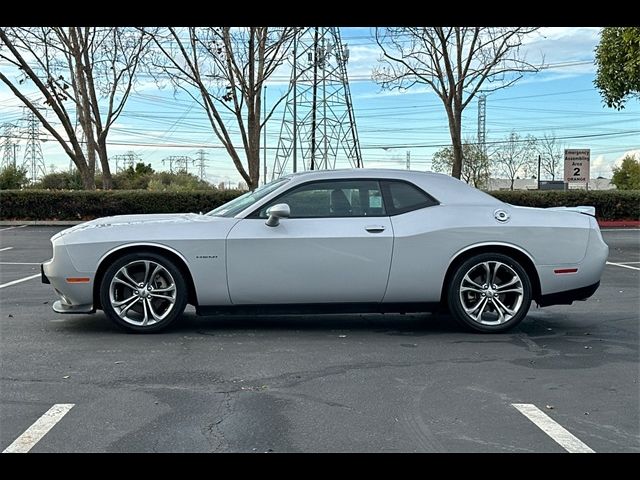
(5, 248)
(39, 429)
(19, 281)
(557, 432)
(11, 228)
(623, 266)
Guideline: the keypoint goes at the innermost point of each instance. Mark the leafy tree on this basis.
(627, 175)
(475, 163)
(177, 182)
(618, 61)
(455, 62)
(13, 178)
(134, 177)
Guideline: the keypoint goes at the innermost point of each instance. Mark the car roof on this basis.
(446, 189)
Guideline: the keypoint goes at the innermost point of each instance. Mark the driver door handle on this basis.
(374, 228)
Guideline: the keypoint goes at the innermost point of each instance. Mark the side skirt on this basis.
(317, 308)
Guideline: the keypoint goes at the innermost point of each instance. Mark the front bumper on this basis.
(59, 272)
(60, 307)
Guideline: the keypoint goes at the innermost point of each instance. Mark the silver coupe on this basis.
(361, 240)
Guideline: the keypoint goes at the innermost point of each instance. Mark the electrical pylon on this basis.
(178, 163)
(201, 163)
(482, 129)
(482, 122)
(318, 128)
(125, 160)
(9, 145)
(33, 160)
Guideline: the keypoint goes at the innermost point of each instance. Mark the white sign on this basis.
(576, 165)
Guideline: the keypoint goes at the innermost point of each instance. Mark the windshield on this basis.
(237, 205)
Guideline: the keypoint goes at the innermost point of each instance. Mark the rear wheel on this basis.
(490, 292)
(143, 292)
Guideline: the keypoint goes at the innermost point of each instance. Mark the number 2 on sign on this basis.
(576, 171)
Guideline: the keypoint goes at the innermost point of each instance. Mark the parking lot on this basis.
(566, 379)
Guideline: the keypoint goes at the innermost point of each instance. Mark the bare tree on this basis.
(82, 72)
(475, 165)
(551, 152)
(515, 156)
(224, 69)
(456, 62)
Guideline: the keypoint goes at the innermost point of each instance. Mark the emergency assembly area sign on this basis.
(576, 165)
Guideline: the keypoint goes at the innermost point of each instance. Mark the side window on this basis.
(404, 197)
(342, 198)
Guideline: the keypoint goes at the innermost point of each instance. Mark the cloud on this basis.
(603, 167)
(563, 45)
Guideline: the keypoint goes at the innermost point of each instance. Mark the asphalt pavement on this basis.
(336, 383)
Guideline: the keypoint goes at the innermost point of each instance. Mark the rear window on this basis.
(405, 197)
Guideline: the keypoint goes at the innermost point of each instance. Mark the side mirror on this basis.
(281, 210)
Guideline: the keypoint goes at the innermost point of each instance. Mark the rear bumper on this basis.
(569, 296)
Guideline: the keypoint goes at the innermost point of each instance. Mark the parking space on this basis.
(374, 383)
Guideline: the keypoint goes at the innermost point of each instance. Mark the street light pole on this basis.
(539, 160)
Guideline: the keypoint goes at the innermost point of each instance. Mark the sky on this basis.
(560, 100)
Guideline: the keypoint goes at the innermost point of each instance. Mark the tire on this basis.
(504, 306)
(139, 306)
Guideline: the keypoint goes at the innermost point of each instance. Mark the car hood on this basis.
(143, 219)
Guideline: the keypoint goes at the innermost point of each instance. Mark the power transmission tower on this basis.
(178, 163)
(125, 160)
(319, 126)
(482, 130)
(33, 160)
(482, 122)
(10, 146)
(201, 163)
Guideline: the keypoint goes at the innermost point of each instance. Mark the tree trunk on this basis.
(107, 183)
(88, 177)
(455, 128)
(253, 158)
(512, 182)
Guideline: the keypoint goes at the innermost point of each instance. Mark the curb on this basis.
(619, 223)
(13, 223)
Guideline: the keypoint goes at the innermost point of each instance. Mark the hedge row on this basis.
(81, 205)
(610, 204)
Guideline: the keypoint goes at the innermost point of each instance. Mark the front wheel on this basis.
(143, 292)
(490, 293)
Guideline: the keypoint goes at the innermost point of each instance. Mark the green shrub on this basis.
(83, 205)
(13, 177)
(610, 204)
(60, 181)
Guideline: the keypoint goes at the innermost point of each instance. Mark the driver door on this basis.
(335, 247)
